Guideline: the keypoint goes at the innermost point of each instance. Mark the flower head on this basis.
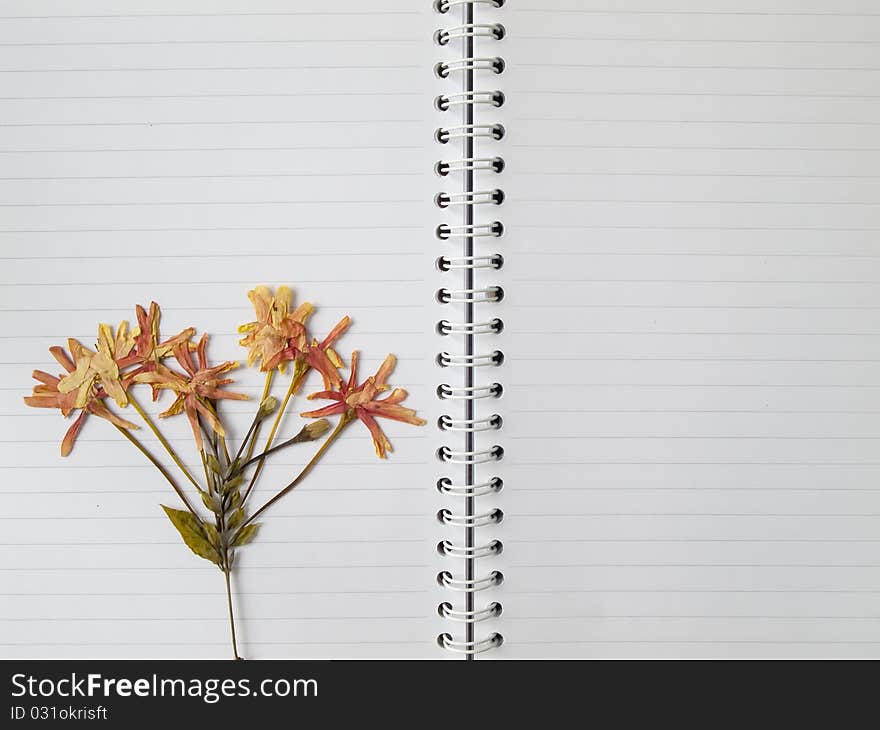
(275, 327)
(319, 356)
(100, 366)
(195, 388)
(48, 395)
(149, 350)
(361, 400)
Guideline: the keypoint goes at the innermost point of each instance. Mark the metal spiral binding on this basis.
(463, 165)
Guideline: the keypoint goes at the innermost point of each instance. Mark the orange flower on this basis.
(318, 355)
(100, 366)
(361, 401)
(275, 328)
(148, 350)
(200, 384)
(47, 395)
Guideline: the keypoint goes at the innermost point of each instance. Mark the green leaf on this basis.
(245, 535)
(231, 484)
(209, 502)
(213, 464)
(235, 519)
(192, 530)
(233, 500)
(213, 535)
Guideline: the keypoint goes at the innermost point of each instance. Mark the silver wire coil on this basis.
(457, 360)
(495, 31)
(448, 517)
(476, 392)
(495, 229)
(473, 585)
(490, 164)
(450, 549)
(495, 131)
(446, 610)
(475, 197)
(474, 296)
(449, 263)
(492, 327)
(477, 456)
(443, 6)
(495, 64)
(469, 166)
(494, 98)
(491, 486)
(469, 425)
(492, 641)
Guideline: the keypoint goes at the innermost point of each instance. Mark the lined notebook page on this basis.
(185, 151)
(692, 367)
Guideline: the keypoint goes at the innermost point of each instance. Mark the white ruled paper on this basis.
(184, 152)
(693, 361)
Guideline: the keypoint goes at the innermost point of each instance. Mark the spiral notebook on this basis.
(627, 255)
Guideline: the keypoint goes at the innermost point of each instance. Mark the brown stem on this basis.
(226, 572)
(162, 440)
(301, 437)
(267, 386)
(344, 420)
(296, 380)
(140, 447)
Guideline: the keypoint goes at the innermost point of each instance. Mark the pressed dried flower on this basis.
(362, 401)
(319, 356)
(101, 366)
(148, 349)
(124, 359)
(47, 395)
(275, 327)
(199, 384)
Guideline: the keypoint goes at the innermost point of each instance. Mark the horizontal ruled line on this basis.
(654, 39)
(725, 94)
(210, 255)
(773, 566)
(165, 619)
(176, 569)
(604, 280)
(673, 437)
(696, 67)
(673, 617)
(692, 201)
(249, 14)
(219, 42)
(138, 69)
(169, 203)
(781, 122)
(89, 150)
(215, 228)
(756, 13)
(210, 123)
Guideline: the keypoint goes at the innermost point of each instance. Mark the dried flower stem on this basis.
(302, 436)
(226, 572)
(344, 420)
(205, 468)
(296, 380)
(162, 440)
(251, 435)
(267, 386)
(140, 447)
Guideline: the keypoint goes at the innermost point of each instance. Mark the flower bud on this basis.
(315, 430)
(267, 407)
(213, 464)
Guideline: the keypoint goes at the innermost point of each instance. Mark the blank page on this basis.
(185, 151)
(692, 358)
